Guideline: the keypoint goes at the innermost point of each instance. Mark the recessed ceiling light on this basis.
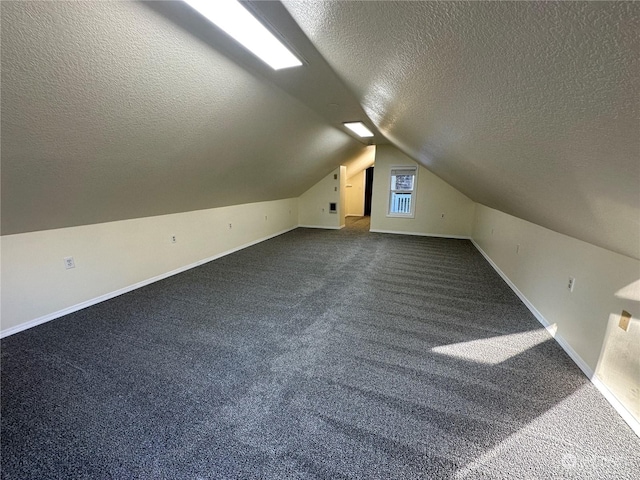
(236, 20)
(359, 129)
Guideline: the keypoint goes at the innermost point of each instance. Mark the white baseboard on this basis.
(615, 403)
(421, 234)
(354, 215)
(321, 226)
(586, 369)
(107, 296)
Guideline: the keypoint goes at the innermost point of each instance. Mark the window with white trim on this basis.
(402, 192)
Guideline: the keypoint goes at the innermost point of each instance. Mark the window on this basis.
(403, 190)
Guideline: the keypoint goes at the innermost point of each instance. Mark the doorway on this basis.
(368, 191)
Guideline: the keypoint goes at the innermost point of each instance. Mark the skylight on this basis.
(239, 23)
(359, 129)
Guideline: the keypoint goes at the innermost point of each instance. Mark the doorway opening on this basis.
(357, 224)
(368, 191)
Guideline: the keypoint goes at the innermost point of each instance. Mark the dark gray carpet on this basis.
(317, 354)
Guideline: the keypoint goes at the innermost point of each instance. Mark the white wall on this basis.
(434, 197)
(355, 194)
(113, 256)
(585, 320)
(313, 205)
(362, 161)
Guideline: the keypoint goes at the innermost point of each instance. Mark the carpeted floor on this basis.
(317, 354)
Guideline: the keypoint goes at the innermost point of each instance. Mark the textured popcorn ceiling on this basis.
(110, 110)
(114, 110)
(531, 108)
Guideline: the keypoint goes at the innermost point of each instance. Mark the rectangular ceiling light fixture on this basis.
(359, 129)
(238, 22)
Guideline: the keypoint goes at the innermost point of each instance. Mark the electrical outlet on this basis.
(173, 239)
(69, 263)
(518, 249)
(571, 284)
(442, 215)
(265, 218)
(230, 226)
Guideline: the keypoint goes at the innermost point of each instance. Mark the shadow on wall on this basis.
(538, 262)
(619, 363)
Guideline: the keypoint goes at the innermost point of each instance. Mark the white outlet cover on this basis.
(69, 263)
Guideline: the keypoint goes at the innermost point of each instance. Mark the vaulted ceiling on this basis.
(531, 108)
(117, 110)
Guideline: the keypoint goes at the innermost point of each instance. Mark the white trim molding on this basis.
(413, 192)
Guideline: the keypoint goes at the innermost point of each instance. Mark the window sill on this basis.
(400, 215)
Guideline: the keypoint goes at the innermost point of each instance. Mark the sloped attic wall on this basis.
(120, 130)
(112, 112)
(530, 108)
